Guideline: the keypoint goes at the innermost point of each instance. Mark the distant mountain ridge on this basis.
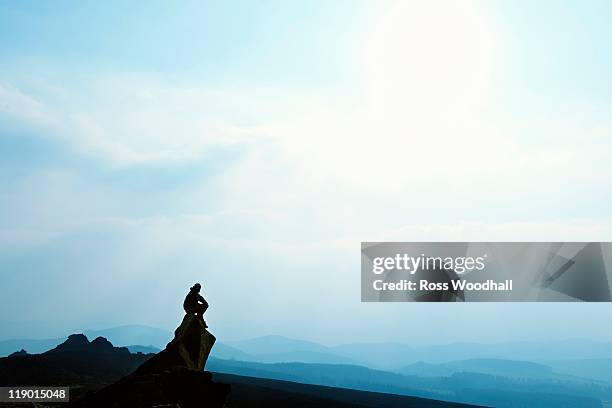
(581, 358)
(596, 368)
(464, 387)
(395, 356)
(133, 334)
(32, 346)
(277, 344)
(134, 337)
(75, 361)
(499, 367)
(480, 381)
(389, 355)
(100, 374)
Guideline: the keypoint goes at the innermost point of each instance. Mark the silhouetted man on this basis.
(194, 302)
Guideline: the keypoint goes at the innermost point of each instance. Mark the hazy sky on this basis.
(253, 145)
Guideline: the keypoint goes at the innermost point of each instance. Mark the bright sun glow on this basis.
(431, 58)
(427, 68)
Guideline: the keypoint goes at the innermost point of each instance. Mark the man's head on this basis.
(196, 287)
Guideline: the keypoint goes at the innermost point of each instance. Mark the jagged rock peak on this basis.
(189, 348)
(100, 343)
(21, 352)
(73, 342)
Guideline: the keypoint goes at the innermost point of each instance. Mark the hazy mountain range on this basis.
(574, 372)
(100, 374)
(580, 358)
(464, 387)
(137, 338)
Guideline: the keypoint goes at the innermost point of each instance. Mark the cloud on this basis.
(573, 230)
(139, 146)
(127, 121)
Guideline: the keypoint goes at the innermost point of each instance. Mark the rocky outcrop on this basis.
(76, 361)
(78, 343)
(172, 377)
(176, 386)
(189, 348)
(74, 342)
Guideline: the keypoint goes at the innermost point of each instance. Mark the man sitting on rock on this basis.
(195, 304)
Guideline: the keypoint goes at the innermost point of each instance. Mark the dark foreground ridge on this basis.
(101, 375)
(173, 377)
(77, 361)
(261, 392)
